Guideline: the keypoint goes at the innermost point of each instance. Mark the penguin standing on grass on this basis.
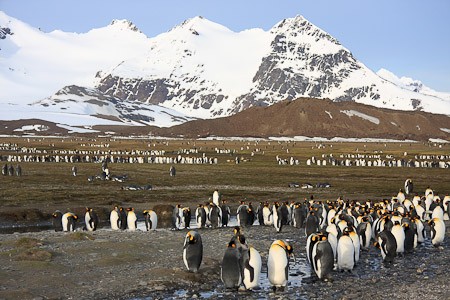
(151, 219)
(91, 219)
(57, 220)
(231, 270)
(193, 251)
(278, 264)
(409, 187)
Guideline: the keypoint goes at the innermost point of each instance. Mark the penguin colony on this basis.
(336, 232)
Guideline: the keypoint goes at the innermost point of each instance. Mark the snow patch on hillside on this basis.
(352, 113)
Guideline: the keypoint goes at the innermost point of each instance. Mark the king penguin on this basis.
(278, 263)
(252, 268)
(91, 219)
(437, 231)
(267, 215)
(388, 245)
(231, 271)
(151, 219)
(200, 216)
(123, 218)
(322, 258)
(399, 234)
(131, 219)
(345, 252)
(114, 218)
(57, 220)
(410, 237)
(68, 221)
(193, 251)
(277, 217)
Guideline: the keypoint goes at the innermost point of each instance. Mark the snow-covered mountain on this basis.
(198, 69)
(411, 84)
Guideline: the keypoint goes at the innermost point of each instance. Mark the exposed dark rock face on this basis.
(158, 91)
(4, 31)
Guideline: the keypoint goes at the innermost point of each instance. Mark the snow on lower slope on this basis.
(411, 84)
(79, 101)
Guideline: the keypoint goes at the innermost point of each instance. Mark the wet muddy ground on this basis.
(149, 265)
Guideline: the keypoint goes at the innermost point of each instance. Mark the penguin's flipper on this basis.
(316, 259)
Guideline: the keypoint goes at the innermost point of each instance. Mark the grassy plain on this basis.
(45, 187)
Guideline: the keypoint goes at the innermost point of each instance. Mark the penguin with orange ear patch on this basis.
(193, 251)
(322, 257)
(57, 221)
(69, 221)
(278, 263)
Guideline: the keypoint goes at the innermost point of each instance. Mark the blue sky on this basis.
(408, 37)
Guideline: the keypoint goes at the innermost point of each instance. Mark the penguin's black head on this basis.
(241, 239)
(191, 237)
(232, 243)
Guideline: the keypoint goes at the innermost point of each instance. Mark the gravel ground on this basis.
(149, 265)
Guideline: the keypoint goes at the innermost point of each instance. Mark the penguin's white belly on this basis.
(255, 262)
(65, 223)
(346, 253)
(114, 218)
(87, 219)
(267, 217)
(438, 213)
(154, 219)
(439, 236)
(399, 235)
(332, 239)
(276, 266)
(131, 221)
(185, 259)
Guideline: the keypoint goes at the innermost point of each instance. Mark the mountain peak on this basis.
(124, 25)
(199, 25)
